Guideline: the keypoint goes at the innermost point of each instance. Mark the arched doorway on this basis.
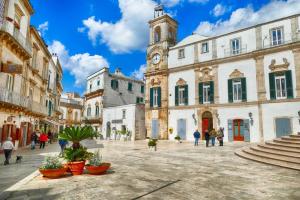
(207, 122)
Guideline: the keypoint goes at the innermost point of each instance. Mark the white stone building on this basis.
(129, 117)
(105, 89)
(247, 81)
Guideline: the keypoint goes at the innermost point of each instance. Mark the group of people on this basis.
(210, 135)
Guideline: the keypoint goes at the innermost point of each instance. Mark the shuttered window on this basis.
(281, 85)
(206, 92)
(129, 86)
(181, 95)
(155, 97)
(114, 84)
(142, 89)
(237, 90)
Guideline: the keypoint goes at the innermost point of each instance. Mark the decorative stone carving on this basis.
(236, 74)
(205, 74)
(181, 82)
(155, 82)
(280, 67)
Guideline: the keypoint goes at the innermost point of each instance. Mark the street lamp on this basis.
(251, 118)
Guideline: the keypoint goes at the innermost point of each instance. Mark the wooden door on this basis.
(181, 128)
(283, 127)
(155, 128)
(238, 130)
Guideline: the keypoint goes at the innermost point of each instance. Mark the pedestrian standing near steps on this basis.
(207, 136)
(7, 147)
(197, 137)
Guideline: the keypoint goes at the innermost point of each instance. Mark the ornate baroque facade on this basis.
(246, 81)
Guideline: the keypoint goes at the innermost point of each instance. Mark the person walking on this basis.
(33, 139)
(197, 137)
(206, 135)
(213, 135)
(50, 137)
(7, 147)
(43, 140)
(220, 136)
(62, 143)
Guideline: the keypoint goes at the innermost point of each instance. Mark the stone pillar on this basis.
(196, 53)
(216, 84)
(258, 37)
(260, 120)
(260, 78)
(296, 53)
(196, 86)
(294, 27)
(214, 49)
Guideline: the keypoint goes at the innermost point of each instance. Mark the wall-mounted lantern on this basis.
(218, 118)
(251, 118)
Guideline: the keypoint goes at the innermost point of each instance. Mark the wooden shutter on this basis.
(112, 84)
(272, 86)
(212, 90)
(186, 95)
(244, 89)
(247, 130)
(159, 96)
(200, 93)
(151, 97)
(142, 89)
(230, 95)
(289, 84)
(230, 130)
(117, 84)
(176, 95)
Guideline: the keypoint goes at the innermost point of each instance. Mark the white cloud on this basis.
(170, 3)
(79, 65)
(129, 33)
(42, 28)
(139, 73)
(219, 10)
(247, 16)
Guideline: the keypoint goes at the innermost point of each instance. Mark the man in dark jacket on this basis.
(33, 139)
(197, 137)
(207, 136)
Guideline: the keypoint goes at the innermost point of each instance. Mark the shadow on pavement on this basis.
(29, 194)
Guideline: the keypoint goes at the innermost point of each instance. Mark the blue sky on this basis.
(90, 34)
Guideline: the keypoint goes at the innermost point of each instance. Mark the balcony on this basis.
(13, 98)
(38, 108)
(8, 27)
(70, 103)
(268, 43)
(230, 52)
(93, 119)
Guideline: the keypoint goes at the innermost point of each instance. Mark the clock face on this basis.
(156, 59)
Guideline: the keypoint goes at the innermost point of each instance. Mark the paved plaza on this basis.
(174, 171)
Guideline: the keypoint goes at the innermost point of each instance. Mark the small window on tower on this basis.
(157, 34)
(180, 53)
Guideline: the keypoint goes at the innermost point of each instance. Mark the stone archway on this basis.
(207, 120)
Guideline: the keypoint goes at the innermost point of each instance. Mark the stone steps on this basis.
(269, 161)
(283, 152)
(275, 152)
(290, 138)
(280, 140)
(279, 148)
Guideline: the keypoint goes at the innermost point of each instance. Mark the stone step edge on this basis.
(279, 148)
(277, 152)
(287, 141)
(244, 155)
(295, 136)
(283, 144)
(273, 157)
(290, 138)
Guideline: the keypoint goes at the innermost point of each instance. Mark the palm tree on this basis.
(77, 134)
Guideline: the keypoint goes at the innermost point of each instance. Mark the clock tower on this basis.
(163, 32)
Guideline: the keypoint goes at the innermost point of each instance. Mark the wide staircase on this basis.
(283, 152)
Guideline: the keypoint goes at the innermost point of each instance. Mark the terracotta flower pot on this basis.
(53, 173)
(76, 168)
(97, 170)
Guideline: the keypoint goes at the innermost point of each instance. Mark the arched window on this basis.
(88, 112)
(97, 110)
(157, 34)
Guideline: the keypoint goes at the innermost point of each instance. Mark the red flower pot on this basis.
(97, 170)
(76, 167)
(53, 173)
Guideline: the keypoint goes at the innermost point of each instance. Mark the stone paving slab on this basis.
(175, 171)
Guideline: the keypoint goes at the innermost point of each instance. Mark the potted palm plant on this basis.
(96, 166)
(52, 167)
(178, 139)
(77, 155)
(152, 143)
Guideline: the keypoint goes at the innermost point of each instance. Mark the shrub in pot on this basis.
(52, 168)
(152, 143)
(96, 166)
(178, 138)
(76, 155)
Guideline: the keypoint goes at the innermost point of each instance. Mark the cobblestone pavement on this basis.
(175, 171)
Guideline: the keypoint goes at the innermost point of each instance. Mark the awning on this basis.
(50, 122)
